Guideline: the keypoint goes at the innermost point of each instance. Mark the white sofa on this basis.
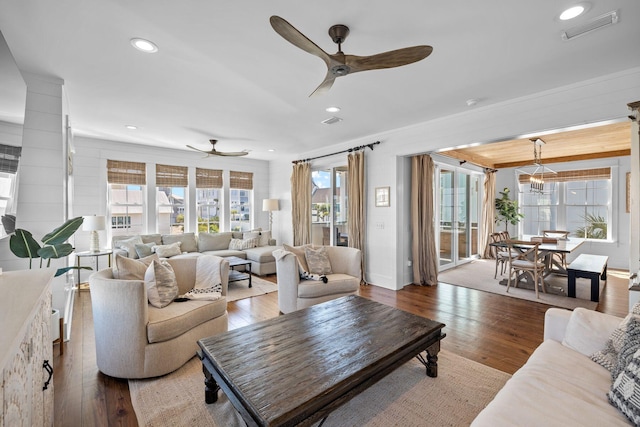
(192, 245)
(137, 340)
(560, 385)
(295, 293)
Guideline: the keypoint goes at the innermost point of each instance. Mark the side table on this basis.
(84, 286)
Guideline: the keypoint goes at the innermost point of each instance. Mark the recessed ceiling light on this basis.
(332, 109)
(144, 45)
(131, 127)
(271, 150)
(471, 102)
(572, 12)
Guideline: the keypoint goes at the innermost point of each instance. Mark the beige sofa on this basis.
(560, 385)
(137, 340)
(295, 293)
(192, 245)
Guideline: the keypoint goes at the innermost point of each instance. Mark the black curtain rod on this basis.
(349, 150)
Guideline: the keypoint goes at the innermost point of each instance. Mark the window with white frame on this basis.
(171, 183)
(240, 197)
(9, 158)
(208, 199)
(575, 201)
(126, 196)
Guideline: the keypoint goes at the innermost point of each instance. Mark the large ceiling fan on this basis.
(214, 152)
(339, 64)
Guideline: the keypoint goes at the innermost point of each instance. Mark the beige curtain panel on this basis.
(301, 203)
(133, 173)
(488, 213)
(355, 212)
(423, 248)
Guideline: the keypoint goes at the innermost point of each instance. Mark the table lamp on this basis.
(270, 205)
(94, 223)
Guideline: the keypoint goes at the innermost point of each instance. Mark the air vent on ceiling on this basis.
(331, 120)
(599, 22)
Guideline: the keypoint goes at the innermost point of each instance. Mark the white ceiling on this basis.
(222, 72)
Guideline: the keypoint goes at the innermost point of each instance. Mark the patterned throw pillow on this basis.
(608, 356)
(630, 345)
(132, 269)
(240, 244)
(625, 391)
(161, 284)
(318, 260)
(167, 251)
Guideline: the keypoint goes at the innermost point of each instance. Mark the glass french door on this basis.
(329, 198)
(458, 213)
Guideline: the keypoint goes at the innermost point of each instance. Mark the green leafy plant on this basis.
(596, 227)
(507, 210)
(54, 245)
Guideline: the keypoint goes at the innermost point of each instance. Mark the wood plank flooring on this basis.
(494, 330)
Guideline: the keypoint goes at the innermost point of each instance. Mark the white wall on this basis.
(583, 102)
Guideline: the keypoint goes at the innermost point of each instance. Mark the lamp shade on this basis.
(269, 205)
(94, 223)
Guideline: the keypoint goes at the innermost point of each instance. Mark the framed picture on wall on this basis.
(382, 196)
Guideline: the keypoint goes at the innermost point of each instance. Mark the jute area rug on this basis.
(406, 397)
(478, 274)
(240, 289)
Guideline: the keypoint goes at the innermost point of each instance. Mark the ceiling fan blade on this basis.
(296, 38)
(230, 153)
(393, 58)
(197, 149)
(325, 85)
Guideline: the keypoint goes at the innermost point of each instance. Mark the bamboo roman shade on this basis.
(577, 175)
(9, 157)
(172, 176)
(241, 180)
(208, 178)
(119, 172)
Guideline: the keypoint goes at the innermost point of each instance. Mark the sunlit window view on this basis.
(126, 209)
(240, 209)
(329, 198)
(171, 201)
(208, 206)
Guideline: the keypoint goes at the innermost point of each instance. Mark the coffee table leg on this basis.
(431, 362)
(211, 387)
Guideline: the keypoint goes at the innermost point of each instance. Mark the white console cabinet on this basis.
(25, 345)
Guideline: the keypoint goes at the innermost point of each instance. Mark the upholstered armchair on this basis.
(295, 293)
(134, 339)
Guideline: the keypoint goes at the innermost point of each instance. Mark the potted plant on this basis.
(54, 245)
(507, 210)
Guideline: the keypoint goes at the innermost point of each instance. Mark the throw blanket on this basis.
(281, 253)
(208, 284)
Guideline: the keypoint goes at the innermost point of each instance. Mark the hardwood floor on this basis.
(494, 330)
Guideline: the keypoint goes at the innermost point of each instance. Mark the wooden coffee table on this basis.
(296, 368)
(236, 276)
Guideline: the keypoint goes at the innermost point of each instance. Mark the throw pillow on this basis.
(318, 260)
(167, 251)
(132, 269)
(582, 329)
(265, 236)
(161, 284)
(144, 249)
(129, 245)
(630, 345)
(188, 241)
(625, 391)
(240, 244)
(298, 251)
(608, 357)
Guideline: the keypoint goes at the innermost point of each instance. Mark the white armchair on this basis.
(295, 293)
(137, 340)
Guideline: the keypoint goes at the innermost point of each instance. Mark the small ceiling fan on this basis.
(214, 152)
(339, 64)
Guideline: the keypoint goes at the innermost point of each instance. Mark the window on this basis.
(9, 158)
(208, 200)
(171, 182)
(127, 188)
(576, 201)
(240, 196)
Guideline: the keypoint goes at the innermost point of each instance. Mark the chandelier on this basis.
(537, 177)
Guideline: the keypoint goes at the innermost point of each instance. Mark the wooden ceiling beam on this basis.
(576, 158)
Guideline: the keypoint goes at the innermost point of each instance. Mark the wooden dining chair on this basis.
(558, 234)
(500, 254)
(529, 260)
